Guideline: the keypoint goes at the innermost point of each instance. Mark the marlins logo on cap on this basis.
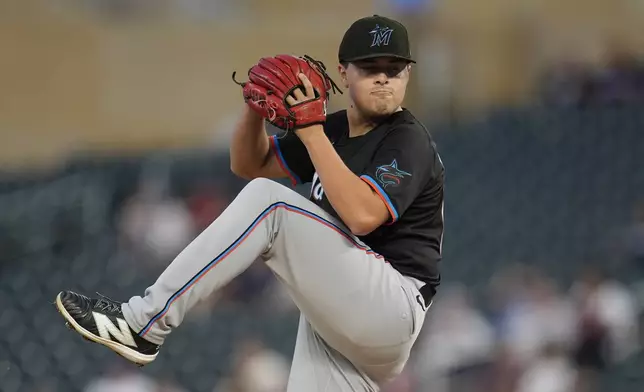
(381, 36)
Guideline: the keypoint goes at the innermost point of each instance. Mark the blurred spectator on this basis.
(155, 226)
(550, 372)
(608, 318)
(206, 203)
(505, 372)
(256, 369)
(534, 314)
(123, 378)
(456, 340)
(622, 80)
(567, 84)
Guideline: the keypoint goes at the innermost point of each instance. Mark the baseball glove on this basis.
(273, 79)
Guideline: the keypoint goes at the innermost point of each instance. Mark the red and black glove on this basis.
(273, 82)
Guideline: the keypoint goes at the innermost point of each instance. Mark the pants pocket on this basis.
(416, 309)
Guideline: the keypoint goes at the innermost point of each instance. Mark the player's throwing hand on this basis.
(298, 96)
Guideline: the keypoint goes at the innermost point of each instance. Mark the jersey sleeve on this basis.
(401, 167)
(293, 157)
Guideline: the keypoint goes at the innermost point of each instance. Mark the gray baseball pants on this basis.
(359, 316)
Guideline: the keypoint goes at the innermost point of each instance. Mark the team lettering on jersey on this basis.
(317, 192)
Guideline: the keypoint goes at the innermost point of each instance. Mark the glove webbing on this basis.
(320, 67)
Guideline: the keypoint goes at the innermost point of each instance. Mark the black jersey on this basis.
(398, 159)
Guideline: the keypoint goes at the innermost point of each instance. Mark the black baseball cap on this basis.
(375, 36)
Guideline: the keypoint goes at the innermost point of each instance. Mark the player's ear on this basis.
(342, 69)
(407, 71)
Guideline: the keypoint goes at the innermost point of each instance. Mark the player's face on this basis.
(376, 86)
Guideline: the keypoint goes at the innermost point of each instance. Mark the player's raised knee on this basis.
(261, 183)
(265, 188)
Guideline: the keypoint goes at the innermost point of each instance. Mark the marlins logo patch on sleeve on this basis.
(390, 175)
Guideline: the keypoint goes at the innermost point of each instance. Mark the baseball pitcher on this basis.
(359, 257)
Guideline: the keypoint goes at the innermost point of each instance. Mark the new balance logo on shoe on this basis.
(106, 327)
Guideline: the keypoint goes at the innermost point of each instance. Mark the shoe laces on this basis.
(107, 304)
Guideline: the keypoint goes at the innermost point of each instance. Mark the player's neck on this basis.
(358, 124)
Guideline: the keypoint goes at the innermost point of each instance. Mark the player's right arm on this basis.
(250, 153)
(254, 154)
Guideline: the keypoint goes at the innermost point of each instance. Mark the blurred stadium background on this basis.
(115, 117)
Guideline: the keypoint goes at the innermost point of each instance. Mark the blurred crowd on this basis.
(255, 368)
(527, 334)
(572, 83)
(524, 332)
